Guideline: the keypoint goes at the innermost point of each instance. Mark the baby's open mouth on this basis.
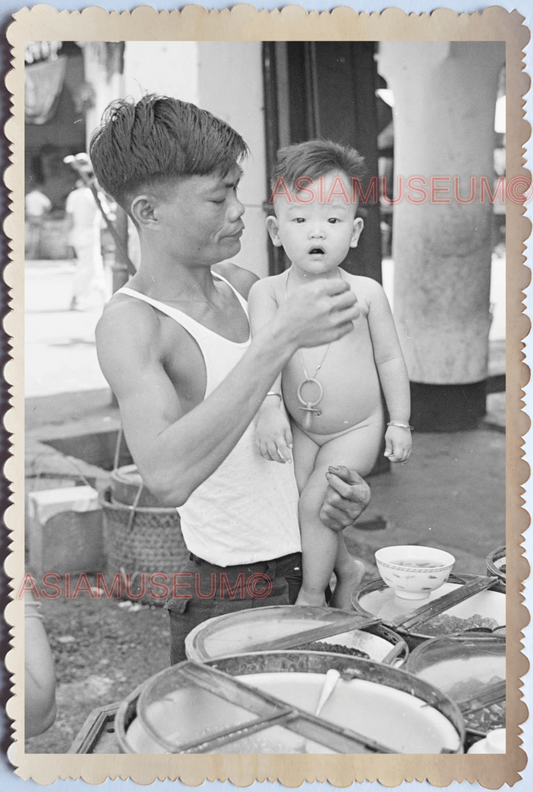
(315, 251)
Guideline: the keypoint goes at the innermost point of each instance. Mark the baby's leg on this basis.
(317, 545)
(304, 451)
(320, 545)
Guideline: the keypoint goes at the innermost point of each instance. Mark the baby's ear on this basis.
(358, 225)
(272, 225)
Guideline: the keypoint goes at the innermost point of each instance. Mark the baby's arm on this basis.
(273, 432)
(392, 374)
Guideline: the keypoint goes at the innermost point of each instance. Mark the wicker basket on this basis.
(139, 542)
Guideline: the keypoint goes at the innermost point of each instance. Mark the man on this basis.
(175, 348)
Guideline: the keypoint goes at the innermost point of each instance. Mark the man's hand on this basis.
(318, 313)
(347, 497)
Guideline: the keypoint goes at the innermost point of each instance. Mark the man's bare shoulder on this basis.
(127, 327)
(239, 277)
(126, 313)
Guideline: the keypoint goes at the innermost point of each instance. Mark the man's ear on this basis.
(143, 210)
(272, 225)
(358, 225)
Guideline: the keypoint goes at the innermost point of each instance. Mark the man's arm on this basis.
(174, 450)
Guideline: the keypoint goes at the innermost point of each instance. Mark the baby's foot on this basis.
(347, 585)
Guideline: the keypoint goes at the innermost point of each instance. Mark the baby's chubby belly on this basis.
(350, 387)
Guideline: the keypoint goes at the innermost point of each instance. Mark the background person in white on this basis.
(85, 223)
(37, 205)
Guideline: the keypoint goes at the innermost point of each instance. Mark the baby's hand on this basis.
(273, 436)
(398, 444)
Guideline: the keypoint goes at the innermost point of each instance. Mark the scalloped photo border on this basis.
(245, 23)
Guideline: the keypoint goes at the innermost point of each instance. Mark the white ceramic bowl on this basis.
(414, 571)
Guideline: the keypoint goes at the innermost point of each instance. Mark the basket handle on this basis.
(39, 468)
(134, 505)
(118, 446)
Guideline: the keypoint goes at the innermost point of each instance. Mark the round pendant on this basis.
(306, 402)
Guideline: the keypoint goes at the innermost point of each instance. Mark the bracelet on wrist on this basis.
(400, 425)
(274, 393)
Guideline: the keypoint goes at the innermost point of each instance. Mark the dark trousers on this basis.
(208, 590)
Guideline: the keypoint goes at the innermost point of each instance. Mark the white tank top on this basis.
(247, 510)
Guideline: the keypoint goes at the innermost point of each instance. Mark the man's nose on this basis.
(236, 209)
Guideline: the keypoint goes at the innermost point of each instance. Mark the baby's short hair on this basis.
(315, 158)
(157, 139)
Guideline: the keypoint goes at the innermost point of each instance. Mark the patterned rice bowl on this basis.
(414, 571)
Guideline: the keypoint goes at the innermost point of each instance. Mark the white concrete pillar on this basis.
(230, 78)
(444, 104)
(169, 68)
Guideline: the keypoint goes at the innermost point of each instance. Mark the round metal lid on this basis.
(281, 627)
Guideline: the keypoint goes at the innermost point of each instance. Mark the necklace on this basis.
(307, 405)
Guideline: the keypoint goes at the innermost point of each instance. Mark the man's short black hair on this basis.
(156, 140)
(315, 158)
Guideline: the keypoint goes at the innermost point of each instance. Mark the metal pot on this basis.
(263, 703)
(465, 667)
(377, 599)
(496, 563)
(259, 629)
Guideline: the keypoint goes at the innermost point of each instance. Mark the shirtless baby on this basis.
(333, 394)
